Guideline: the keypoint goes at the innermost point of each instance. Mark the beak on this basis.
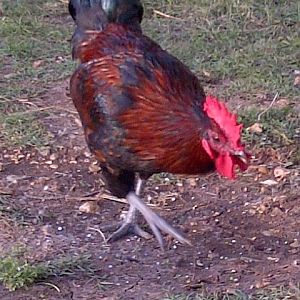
(241, 155)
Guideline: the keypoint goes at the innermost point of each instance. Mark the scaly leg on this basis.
(129, 225)
(139, 186)
(155, 222)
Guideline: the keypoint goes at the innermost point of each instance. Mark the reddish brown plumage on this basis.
(96, 44)
(141, 108)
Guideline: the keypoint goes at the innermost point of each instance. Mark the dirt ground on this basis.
(245, 233)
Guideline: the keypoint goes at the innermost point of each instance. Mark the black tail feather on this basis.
(76, 6)
(123, 11)
(127, 12)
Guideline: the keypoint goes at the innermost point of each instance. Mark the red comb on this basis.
(217, 111)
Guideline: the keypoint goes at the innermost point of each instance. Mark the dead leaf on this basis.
(53, 166)
(282, 102)
(255, 128)
(263, 170)
(252, 212)
(14, 178)
(192, 182)
(297, 81)
(94, 168)
(269, 182)
(262, 208)
(295, 244)
(46, 230)
(89, 207)
(36, 64)
(206, 73)
(87, 154)
(78, 122)
(276, 212)
(53, 156)
(10, 75)
(280, 173)
(262, 283)
(44, 151)
(267, 233)
(212, 255)
(275, 259)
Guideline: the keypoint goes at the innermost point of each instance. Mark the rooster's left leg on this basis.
(129, 225)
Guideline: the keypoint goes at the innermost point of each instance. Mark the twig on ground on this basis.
(102, 197)
(54, 197)
(51, 285)
(100, 232)
(157, 12)
(269, 107)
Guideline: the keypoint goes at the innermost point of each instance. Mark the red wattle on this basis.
(225, 165)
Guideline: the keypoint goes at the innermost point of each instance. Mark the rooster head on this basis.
(222, 139)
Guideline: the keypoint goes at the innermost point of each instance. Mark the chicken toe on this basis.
(129, 226)
(155, 222)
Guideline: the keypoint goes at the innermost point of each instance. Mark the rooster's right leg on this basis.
(129, 225)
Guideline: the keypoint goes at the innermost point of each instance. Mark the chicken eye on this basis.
(216, 138)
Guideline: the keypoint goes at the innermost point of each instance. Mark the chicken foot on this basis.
(129, 225)
(155, 222)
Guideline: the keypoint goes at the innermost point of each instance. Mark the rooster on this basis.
(143, 111)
